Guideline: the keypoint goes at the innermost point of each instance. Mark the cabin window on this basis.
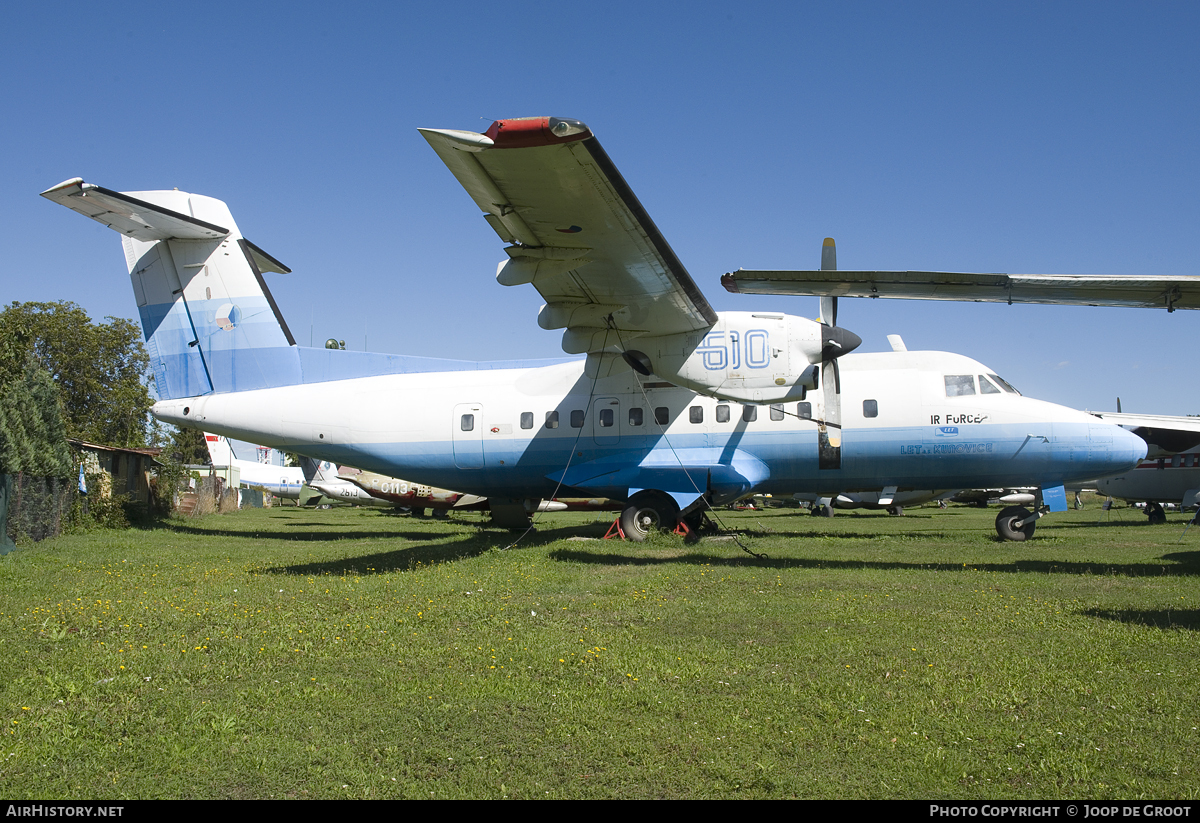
(467, 422)
(696, 414)
(959, 385)
(552, 420)
(635, 417)
(870, 408)
(527, 420)
(749, 414)
(606, 418)
(722, 413)
(662, 415)
(577, 418)
(777, 411)
(987, 386)
(804, 410)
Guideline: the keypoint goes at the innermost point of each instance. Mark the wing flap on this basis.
(1169, 292)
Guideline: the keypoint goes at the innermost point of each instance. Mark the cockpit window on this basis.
(959, 385)
(1004, 384)
(987, 386)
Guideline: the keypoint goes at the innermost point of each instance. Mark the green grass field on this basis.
(353, 654)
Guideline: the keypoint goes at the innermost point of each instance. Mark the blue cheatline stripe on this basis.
(780, 462)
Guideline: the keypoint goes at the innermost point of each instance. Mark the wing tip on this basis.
(74, 182)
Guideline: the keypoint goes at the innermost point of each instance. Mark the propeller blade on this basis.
(829, 431)
(834, 343)
(828, 255)
(829, 263)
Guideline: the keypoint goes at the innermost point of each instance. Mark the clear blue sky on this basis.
(1006, 137)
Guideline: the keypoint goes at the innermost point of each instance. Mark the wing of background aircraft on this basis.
(576, 232)
(1164, 434)
(1169, 292)
(1153, 421)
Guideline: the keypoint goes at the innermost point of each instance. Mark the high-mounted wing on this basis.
(576, 232)
(1152, 421)
(1164, 434)
(1169, 292)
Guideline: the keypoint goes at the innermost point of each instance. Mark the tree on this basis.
(99, 368)
(33, 441)
(33, 437)
(179, 444)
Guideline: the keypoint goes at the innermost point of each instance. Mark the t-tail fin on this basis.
(210, 322)
(219, 450)
(319, 471)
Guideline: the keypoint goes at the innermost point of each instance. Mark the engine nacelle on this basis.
(745, 357)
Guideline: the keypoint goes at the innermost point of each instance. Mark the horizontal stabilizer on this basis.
(130, 216)
(1165, 291)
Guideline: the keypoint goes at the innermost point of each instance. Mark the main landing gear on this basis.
(1155, 513)
(650, 510)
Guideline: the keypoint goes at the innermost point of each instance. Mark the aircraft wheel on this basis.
(827, 511)
(1155, 514)
(897, 511)
(647, 511)
(1009, 516)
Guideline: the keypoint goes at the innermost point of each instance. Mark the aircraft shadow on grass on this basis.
(476, 542)
(407, 558)
(1188, 564)
(1153, 618)
(309, 536)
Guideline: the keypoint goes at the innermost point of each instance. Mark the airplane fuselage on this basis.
(515, 433)
(288, 486)
(1170, 479)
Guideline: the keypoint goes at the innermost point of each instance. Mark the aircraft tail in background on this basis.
(219, 450)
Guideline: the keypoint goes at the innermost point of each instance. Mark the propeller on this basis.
(835, 342)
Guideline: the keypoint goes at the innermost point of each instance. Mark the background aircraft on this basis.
(665, 411)
(1171, 471)
(291, 482)
(281, 481)
(341, 490)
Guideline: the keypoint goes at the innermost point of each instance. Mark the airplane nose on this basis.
(1126, 451)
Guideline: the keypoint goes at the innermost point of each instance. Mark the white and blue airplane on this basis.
(674, 407)
(281, 481)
